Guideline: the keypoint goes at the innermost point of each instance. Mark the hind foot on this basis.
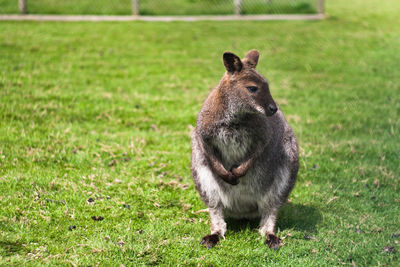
(210, 240)
(273, 241)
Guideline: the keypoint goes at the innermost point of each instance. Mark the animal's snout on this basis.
(272, 109)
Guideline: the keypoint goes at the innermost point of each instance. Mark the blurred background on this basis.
(161, 7)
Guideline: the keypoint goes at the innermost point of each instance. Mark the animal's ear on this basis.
(251, 59)
(232, 62)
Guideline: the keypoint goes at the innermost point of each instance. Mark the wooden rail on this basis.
(135, 7)
(158, 18)
(22, 6)
(321, 6)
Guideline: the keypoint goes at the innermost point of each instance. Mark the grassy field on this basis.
(160, 7)
(95, 148)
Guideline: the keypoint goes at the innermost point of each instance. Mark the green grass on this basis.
(104, 110)
(161, 7)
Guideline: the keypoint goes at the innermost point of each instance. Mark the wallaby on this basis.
(244, 154)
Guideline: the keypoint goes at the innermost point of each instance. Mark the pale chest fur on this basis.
(233, 145)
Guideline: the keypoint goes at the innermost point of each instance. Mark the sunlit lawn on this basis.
(95, 121)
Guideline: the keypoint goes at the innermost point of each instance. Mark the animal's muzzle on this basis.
(271, 109)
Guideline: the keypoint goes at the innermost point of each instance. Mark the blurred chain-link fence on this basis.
(161, 7)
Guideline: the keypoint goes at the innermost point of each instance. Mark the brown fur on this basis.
(244, 156)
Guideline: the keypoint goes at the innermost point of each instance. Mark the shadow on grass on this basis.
(297, 216)
(8, 248)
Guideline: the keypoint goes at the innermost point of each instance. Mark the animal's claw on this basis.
(230, 179)
(273, 242)
(210, 240)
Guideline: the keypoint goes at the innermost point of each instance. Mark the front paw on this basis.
(210, 240)
(273, 241)
(237, 171)
(233, 181)
(230, 179)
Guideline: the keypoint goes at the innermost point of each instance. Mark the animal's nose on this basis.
(272, 109)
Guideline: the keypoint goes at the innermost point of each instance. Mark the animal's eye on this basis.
(252, 89)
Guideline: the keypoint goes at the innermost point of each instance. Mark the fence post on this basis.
(22, 6)
(135, 7)
(238, 7)
(321, 7)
